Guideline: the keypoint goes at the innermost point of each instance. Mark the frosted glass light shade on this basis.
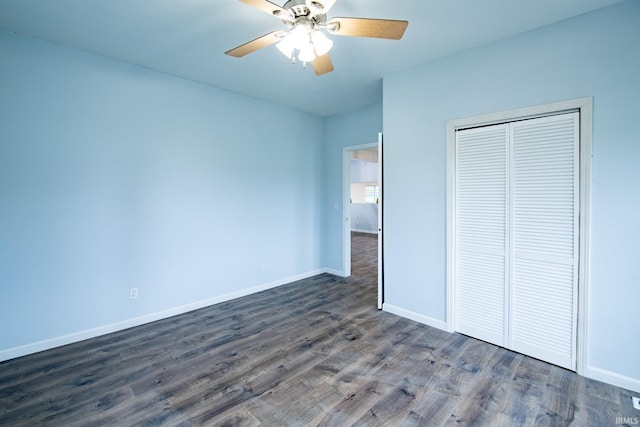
(308, 43)
(321, 43)
(286, 46)
(307, 54)
(300, 36)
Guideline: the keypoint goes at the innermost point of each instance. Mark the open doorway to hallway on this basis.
(363, 214)
(364, 199)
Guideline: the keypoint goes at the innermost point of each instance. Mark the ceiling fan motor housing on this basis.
(313, 10)
(297, 7)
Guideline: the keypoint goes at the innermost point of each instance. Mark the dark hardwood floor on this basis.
(314, 352)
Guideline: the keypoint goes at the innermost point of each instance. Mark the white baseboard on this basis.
(355, 230)
(334, 272)
(609, 377)
(48, 344)
(411, 315)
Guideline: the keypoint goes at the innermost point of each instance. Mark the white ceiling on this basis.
(188, 38)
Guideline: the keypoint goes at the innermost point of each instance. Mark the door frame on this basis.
(346, 211)
(585, 107)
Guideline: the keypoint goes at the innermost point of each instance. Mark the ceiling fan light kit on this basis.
(307, 40)
(306, 20)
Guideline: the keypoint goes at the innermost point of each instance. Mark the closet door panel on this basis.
(544, 221)
(481, 207)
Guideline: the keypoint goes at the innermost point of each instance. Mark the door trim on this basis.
(585, 107)
(380, 222)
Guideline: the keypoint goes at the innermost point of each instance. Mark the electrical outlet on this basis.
(264, 265)
(133, 293)
(636, 402)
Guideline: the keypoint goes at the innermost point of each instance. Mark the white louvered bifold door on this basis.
(516, 236)
(544, 221)
(481, 207)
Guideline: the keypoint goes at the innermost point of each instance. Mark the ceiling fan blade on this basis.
(364, 27)
(270, 8)
(253, 45)
(322, 65)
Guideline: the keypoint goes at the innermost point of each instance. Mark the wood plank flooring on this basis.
(314, 352)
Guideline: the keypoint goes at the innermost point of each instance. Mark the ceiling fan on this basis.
(305, 20)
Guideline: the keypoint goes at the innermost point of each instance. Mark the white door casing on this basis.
(380, 223)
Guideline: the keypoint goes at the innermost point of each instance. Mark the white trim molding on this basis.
(585, 107)
(335, 272)
(355, 230)
(48, 344)
(417, 317)
(609, 377)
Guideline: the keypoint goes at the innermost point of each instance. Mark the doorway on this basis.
(366, 218)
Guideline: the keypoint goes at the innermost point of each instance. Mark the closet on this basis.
(516, 222)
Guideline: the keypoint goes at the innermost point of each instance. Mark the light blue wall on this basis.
(113, 176)
(363, 171)
(349, 129)
(593, 55)
(364, 217)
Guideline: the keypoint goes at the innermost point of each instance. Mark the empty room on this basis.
(180, 243)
